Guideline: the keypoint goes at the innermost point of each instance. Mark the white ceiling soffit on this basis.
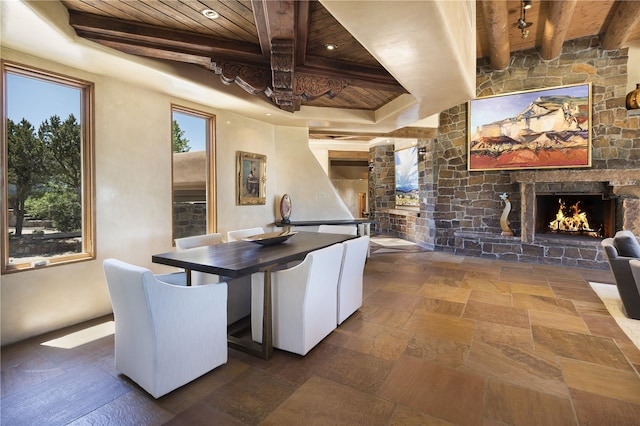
(429, 46)
(437, 74)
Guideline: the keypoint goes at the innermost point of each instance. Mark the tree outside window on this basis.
(46, 150)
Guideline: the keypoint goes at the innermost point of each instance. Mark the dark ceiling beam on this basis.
(302, 30)
(261, 27)
(625, 18)
(151, 51)
(277, 67)
(280, 17)
(157, 38)
(357, 75)
(555, 28)
(495, 21)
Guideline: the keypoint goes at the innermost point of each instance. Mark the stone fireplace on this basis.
(611, 196)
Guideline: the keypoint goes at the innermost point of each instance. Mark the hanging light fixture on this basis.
(522, 23)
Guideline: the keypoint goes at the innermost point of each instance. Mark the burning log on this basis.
(572, 220)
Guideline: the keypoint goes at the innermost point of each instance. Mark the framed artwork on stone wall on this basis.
(545, 128)
(250, 188)
(407, 188)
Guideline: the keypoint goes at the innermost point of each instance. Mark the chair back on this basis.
(243, 233)
(131, 313)
(200, 278)
(165, 335)
(199, 241)
(338, 229)
(304, 301)
(351, 276)
(322, 274)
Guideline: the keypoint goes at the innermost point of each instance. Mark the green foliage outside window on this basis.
(180, 143)
(45, 169)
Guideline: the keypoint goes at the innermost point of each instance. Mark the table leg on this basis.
(267, 317)
(188, 274)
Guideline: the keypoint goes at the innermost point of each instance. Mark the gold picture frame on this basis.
(534, 129)
(250, 187)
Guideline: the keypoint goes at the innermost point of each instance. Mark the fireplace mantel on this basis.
(617, 178)
(625, 183)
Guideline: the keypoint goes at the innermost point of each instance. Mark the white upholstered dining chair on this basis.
(304, 300)
(197, 278)
(199, 241)
(165, 335)
(351, 276)
(239, 289)
(239, 234)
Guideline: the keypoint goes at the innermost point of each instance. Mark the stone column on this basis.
(527, 214)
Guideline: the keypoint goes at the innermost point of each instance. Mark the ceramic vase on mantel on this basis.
(285, 208)
(633, 98)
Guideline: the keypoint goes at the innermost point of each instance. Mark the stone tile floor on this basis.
(441, 339)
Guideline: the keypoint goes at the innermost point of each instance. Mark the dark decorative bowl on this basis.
(271, 238)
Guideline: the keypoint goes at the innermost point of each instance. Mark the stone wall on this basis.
(468, 206)
(382, 186)
(460, 210)
(189, 219)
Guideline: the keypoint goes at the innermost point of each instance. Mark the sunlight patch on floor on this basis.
(81, 337)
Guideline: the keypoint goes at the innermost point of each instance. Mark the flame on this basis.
(576, 220)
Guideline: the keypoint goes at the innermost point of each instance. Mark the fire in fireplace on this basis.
(588, 215)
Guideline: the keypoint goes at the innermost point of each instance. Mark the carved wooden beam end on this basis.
(310, 87)
(254, 80)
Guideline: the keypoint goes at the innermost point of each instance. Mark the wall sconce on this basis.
(422, 152)
(371, 166)
(522, 23)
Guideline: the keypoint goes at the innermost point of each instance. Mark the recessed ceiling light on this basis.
(211, 14)
(330, 46)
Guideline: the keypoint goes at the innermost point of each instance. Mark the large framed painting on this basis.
(548, 128)
(252, 177)
(407, 189)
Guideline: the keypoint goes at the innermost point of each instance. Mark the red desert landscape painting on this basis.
(535, 129)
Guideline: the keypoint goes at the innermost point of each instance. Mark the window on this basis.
(407, 189)
(47, 163)
(193, 173)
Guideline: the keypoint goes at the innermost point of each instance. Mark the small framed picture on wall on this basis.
(250, 169)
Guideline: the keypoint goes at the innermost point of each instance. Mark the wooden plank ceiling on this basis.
(277, 49)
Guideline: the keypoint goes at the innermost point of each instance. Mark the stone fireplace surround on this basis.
(570, 251)
(624, 183)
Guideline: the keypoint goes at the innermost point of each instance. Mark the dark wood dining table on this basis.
(240, 258)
